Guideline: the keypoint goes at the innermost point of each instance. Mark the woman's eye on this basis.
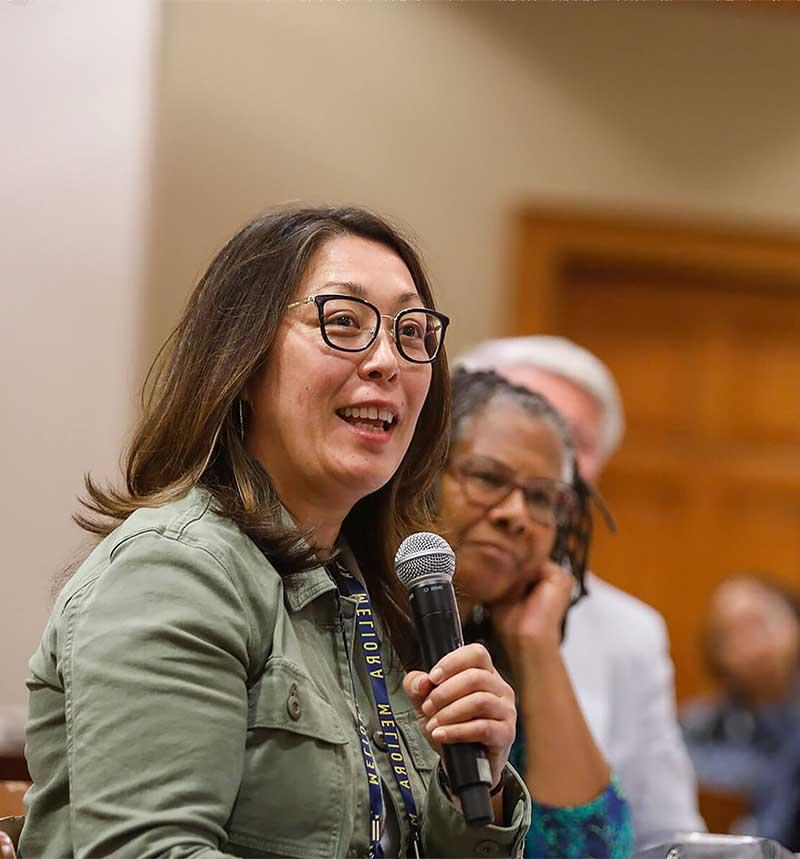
(411, 330)
(541, 498)
(342, 320)
(490, 478)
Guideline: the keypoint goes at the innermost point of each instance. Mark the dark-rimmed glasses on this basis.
(352, 324)
(487, 483)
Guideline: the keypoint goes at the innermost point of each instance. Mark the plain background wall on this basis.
(445, 116)
(74, 179)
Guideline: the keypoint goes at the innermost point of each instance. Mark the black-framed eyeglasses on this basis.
(352, 324)
(486, 483)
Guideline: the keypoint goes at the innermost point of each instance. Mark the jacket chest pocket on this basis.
(423, 757)
(294, 795)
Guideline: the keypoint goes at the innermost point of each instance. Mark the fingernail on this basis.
(437, 675)
(439, 734)
(427, 707)
(432, 725)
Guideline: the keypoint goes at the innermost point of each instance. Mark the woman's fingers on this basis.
(468, 656)
(478, 705)
(464, 684)
(417, 686)
(490, 733)
(536, 621)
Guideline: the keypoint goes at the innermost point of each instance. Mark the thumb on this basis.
(417, 685)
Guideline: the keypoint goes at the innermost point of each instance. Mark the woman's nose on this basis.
(512, 513)
(380, 362)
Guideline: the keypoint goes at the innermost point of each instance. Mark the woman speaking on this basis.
(200, 688)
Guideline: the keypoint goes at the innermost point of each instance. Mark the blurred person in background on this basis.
(516, 512)
(616, 648)
(746, 738)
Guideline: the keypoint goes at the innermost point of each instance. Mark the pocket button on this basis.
(379, 740)
(293, 703)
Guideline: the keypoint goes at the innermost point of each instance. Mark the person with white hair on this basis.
(616, 648)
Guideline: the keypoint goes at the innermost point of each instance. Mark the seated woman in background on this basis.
(511, 499)
(746, 739)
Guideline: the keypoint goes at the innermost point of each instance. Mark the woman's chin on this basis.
(483, 586)
(359, 482)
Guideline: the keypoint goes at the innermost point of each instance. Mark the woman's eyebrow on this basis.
(490, 460)
(359, 291)
(350, 286)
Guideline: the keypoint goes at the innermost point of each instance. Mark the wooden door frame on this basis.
(549, 237)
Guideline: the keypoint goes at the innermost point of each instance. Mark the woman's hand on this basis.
(464, 700)
(531, 626)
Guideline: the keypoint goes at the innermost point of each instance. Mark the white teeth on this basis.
(368, 412)
(369, 427)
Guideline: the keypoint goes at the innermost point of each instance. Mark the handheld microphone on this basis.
(425, 564)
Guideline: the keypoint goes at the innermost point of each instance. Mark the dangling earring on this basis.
(241, 420)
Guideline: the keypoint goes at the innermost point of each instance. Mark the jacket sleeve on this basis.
(445, 832)
(154, 662)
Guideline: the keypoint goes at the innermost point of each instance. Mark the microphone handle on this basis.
(438, 625)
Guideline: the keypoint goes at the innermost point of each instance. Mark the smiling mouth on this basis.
(368, 418)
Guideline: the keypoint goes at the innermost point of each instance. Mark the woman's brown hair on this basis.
(193, 422)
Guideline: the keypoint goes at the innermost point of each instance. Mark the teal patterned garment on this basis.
(600, 829)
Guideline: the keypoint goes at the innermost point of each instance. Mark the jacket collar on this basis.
(301, 588)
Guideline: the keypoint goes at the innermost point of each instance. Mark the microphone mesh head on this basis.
(424, 554)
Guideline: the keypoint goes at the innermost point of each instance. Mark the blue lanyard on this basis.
(371, 649)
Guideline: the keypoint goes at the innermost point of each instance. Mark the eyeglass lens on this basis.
(548, 501)
(352, 325)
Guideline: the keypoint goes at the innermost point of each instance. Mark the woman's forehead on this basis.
(505, 432)
(351, 265)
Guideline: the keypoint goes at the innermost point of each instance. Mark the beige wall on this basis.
(445, 116)
(76, 110)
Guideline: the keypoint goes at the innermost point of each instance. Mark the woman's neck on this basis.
(321, 514)
(324, 525)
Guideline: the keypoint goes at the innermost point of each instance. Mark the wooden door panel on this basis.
(761, 397)
(702, 332)
(657, 565)
(766, 536)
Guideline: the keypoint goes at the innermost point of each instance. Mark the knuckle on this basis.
(483, 653)
(436, 699)
(474, 679)
(477, 653)
(487, 732)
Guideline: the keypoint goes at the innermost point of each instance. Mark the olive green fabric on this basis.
(186, 701)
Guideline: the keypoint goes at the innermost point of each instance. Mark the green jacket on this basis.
(187, 701)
